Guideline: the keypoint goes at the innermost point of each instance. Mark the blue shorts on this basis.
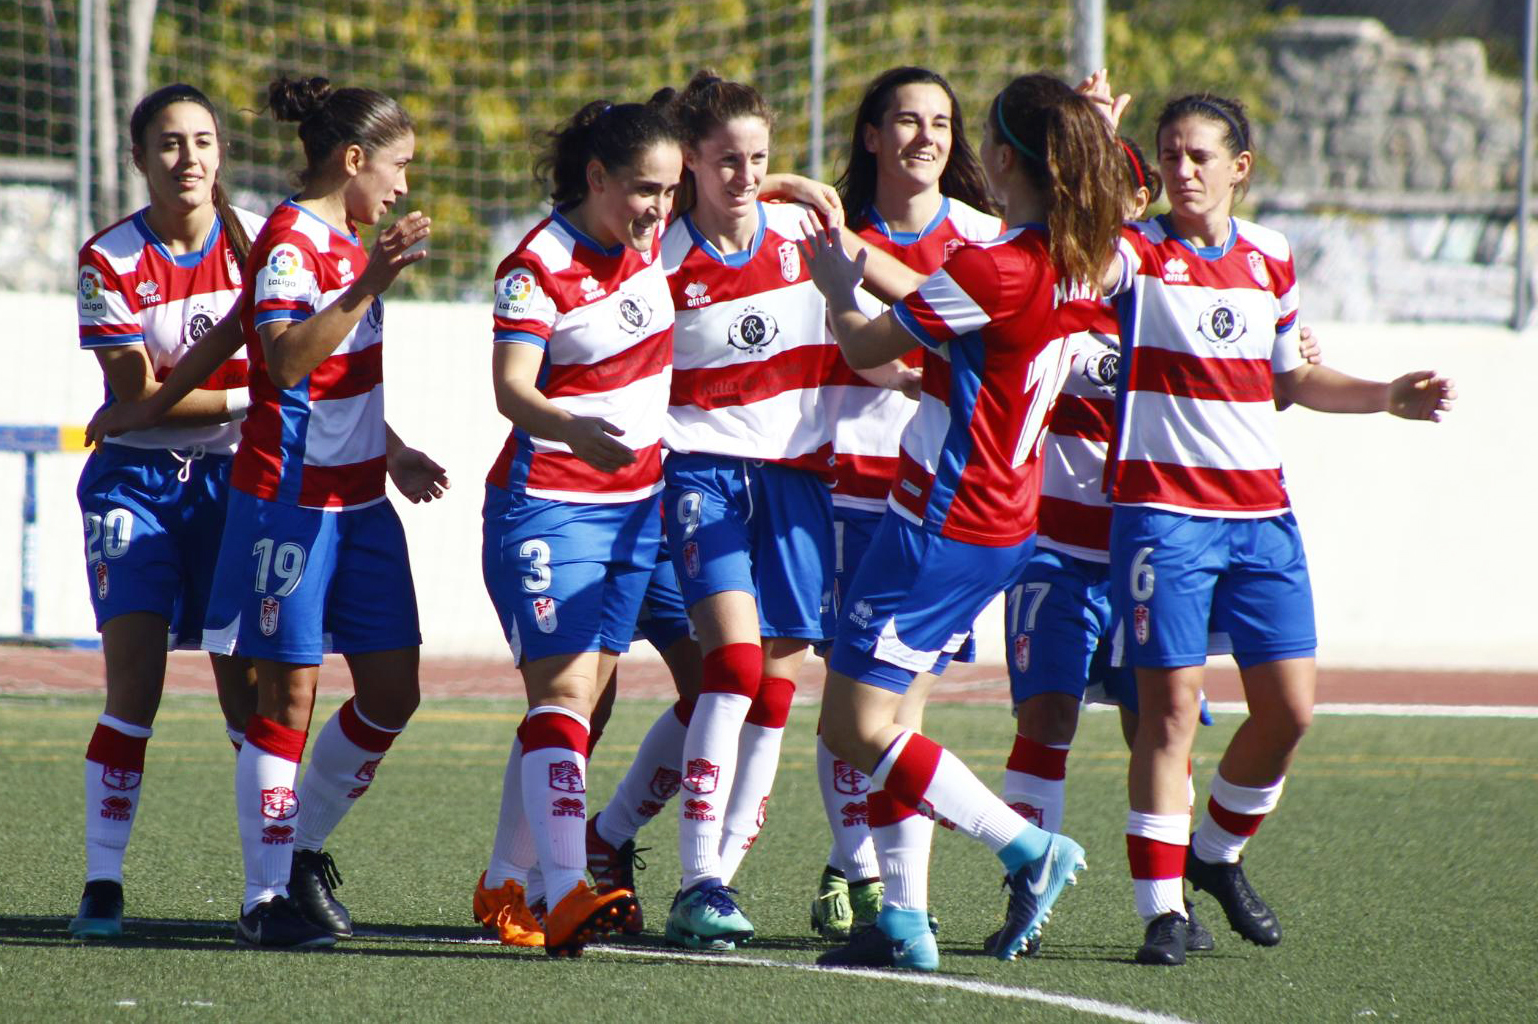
(1058, 632)
(294, 583)
(151, 539)
(1175, 577)
(853, 529)
(766, 530)
(663, 620)
(910, 609)
(566, 577)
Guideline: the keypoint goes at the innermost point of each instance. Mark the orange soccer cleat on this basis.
(583, 915)
(504, 911)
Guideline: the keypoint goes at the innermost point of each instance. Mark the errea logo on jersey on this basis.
(694, 294)
(148, 292)
(344, 268)
(591, 289)
(1176, 271)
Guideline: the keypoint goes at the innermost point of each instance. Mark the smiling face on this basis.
(179, 156)
(1200, 174)
(629, 205)
(729, 165)
(913, 141)
(376, 180)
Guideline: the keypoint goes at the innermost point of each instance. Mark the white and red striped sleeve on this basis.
(107, 318)
(954, 300)
(287, 288)
(523, 311)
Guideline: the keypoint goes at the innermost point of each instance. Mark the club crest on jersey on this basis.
(694, 294)
(1022, 652)
(1221, 323)
(567, 777)
(232, 266)
(1176, 271)
(953, 247)
(268, 622)
(148, 292)
(544, 614)
(665, 783)
(101, 581)
(1140, 623)
(790, 262)
(701, 776)
(344, 269)
(849, 780)
(279, 803)
(284, 261)
(634, 314)
(752, 331)
(91, 286)
(116, 808)
(692, 560)
(120, 779)
(514, 294)
(1258, 270)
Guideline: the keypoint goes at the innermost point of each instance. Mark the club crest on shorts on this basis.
(1022, 652)
(101, 581)
(567, 776)
(692, 560)
(790, 262)
(268, 621)
(278, 835)
(568, 807)
(1140, 623)
(279, 803)
(849, 780)
(121, 779)
(544, 614)
(1258, 270)
(665, 783)
(366, 770)
(701, 776)
(116, 808)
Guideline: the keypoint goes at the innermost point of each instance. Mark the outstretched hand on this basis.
(1308, 345)
(1097, 89)
(393, 250)
(1421, 395)
(833, 272)
(589, 439)
(119, 418)
(416, 476)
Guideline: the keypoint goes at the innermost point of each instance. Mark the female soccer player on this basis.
(995, 322)
(914, 189)
(1202, 530)
(313, 556)
(582, 365)
(154, 498)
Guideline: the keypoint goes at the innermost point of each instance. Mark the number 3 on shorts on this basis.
(538, 554)
(1142, 578)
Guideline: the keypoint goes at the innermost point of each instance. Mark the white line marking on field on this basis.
(1401, 710)
(1080, 1004)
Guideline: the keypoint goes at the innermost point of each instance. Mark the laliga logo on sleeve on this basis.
(284, 261)
(790, 262)
(514, 292)
(91, 287)
(1221, 324)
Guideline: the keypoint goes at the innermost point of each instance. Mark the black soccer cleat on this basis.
(101, 911)
(1198, 938)
(1247, 913)
(1164, 941)
(310, 884)
(277, 924)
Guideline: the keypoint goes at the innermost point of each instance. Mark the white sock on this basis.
(114, 770)
(267, 807)
(710, 769)
(554, 783)
(503, 863)
(1234, 814)
(846, 802)
(342, 764)
(650, 782)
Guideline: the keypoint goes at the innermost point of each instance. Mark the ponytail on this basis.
(330, 118)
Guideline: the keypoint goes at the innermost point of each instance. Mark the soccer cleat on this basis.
(277, 924)
(865, 902)
(1164, 941)
(310, 882)
(1032, 891)
(101, 911)
(832, 913)
(582, 916)
(613, 869)
(504, 911)
(1198, 938)
(706, 917)
(872, 947)
(1247, 913)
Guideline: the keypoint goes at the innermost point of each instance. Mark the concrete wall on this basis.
(1418, 534)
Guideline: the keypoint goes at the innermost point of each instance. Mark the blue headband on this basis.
(998, 119)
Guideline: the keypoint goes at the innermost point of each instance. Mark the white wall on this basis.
(1418, 534)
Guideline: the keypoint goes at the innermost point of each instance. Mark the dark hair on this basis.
(1067, 152)
(613, 134)
(1228, 114)
(139, 124)
(330, 118)
(962, 178)
(706, 103)
(1143, 173)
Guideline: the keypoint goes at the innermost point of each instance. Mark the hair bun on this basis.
(295, 99)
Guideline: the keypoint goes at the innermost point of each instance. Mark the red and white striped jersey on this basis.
(1075, 512)
(605, 320)
(996, 324)
(1203, 334)
(320, 443)
(868, 420)
(750, 348)
(133, 291)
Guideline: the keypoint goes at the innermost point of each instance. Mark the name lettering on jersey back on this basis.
(694, 294)
(148, 292)
(1176, 271)
(1064, 292)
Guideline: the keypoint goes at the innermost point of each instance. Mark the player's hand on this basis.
(822, 198)
(416, 476)
(1097, 89)
(910, 381)
(393, 251)
(833, 272)
(589, 439)
(119, 418)
(1421, 395)
(1308, 345)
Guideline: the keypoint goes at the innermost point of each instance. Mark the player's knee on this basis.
(1050, 718)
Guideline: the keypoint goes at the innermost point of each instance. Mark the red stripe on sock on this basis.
(115, 749)
(278, 740)
(771, 708)
(914, 770)
(1151, 860)
(360, 733)
(553, 730)
(1038, 759)
(1233, 822)
(683, 710)
(884, 809)
(734, 668)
